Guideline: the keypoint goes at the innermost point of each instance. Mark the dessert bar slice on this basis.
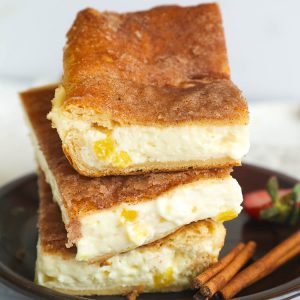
(148, 92)
(168, 264)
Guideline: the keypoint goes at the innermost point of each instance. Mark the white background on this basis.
(263, 40)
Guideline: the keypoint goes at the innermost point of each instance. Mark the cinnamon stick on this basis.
(221, 279)
(264, 266)
(285, 258)
(201, 279)
(199, 296)
(292, 253)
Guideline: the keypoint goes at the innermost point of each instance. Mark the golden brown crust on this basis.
(81, 195)
(164, 66)
(52, 232)
(53, 235)
(123, 290)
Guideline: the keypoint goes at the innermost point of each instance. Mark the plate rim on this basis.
(16, 282)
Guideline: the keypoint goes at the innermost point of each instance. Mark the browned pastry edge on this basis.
(164, 66)
(53, 235)
(52, 232)
(118, 291)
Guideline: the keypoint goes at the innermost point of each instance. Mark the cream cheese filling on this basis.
(133, 269)
(128, 226)
(123, 146)
(133, 225)
(168, 266)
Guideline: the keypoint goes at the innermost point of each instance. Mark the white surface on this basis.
(275, 136)
(262, 38)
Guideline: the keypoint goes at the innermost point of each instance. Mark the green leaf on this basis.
(272, 188)
(270, 214)
(287, 201)
(294, 216)
(296, 190)
(284, 208)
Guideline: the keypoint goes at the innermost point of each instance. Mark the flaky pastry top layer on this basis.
(164, 66)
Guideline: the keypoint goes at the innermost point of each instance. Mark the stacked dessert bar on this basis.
(147, 127)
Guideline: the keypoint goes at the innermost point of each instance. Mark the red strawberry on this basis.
(281, 206)
(255, 202)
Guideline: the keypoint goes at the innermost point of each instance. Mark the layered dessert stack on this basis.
(148, 126)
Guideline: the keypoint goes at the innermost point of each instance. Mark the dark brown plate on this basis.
(18, 236)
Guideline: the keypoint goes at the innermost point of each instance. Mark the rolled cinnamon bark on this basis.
(264, 266)
(221, 279)
(201, 279)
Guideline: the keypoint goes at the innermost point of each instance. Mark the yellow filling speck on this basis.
(140, 230)
(129, 215)
(48, 279)
(105, 274)
(163, 279)
(169, 208)
(121, 159)
(106, 149)
(138, 233)
(82, 257)
(226, 216)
